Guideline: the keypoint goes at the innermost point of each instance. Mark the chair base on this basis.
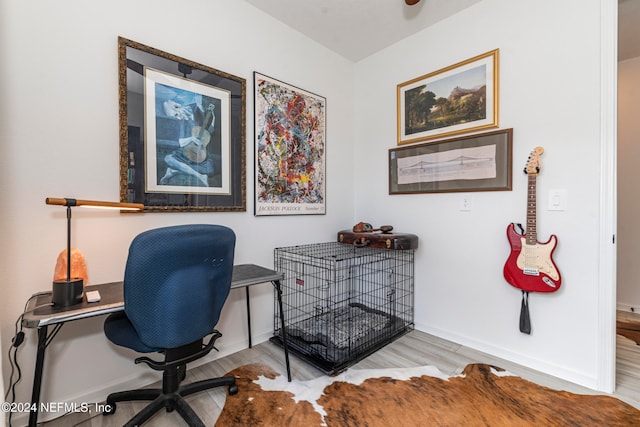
(168, 400)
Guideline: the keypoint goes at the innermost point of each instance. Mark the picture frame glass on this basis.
(480, 162)
(457, 99)
(290, 149)
(182, 133)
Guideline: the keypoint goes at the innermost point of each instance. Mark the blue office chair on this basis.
(175, 284)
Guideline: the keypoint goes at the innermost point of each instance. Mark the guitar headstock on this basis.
(533, 163)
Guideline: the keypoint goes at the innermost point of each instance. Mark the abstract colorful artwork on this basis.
(290, 149)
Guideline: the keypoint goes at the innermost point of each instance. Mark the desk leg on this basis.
(278, 286)
(37, 377)
(248, 314)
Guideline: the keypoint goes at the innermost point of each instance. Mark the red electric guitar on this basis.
(530, 266)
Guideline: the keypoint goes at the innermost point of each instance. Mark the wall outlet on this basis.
(466, 203)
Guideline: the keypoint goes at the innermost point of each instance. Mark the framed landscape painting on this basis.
(457, 99)
(290, 138)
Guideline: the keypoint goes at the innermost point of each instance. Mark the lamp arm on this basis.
(93, 203)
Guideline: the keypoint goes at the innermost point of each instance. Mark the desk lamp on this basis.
(68, 292)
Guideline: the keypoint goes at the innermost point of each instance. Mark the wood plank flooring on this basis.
(414, 349)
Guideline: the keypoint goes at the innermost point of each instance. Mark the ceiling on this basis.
(356, 29)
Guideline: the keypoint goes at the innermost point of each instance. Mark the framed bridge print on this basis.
(290, 143)
(480, 162)
(182, 133)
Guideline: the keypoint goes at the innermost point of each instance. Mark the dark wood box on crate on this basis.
(396, 241)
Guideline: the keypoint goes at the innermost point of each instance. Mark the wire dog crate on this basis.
(342, 303)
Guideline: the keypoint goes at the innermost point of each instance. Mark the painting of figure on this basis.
(187, 144)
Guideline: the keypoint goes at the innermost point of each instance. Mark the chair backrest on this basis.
(176, 282)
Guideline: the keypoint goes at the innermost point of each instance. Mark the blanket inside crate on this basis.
(338, 334)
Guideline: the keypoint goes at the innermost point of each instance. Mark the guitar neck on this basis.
(531, 234)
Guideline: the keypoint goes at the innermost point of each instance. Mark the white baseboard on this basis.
(628, 307)
(524, 360)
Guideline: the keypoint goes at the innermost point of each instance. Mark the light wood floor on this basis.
(414, 349)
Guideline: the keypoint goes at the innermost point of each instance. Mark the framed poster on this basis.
(290, 143)
(481, 162)
(182, 133)
(457, 99)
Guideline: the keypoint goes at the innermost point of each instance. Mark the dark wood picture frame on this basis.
(480, 162)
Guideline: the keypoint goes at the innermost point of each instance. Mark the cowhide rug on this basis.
(481, 396)
(629, 330)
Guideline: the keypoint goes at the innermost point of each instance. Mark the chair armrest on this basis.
(161, 366)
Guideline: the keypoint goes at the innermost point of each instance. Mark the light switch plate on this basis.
(557, 200)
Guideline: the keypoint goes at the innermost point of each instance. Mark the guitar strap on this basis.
(525, 321)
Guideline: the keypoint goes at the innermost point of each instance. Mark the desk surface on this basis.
(40, 312)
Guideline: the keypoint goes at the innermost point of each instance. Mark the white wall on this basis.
(628, 203)
(550, 94)
(59, 138)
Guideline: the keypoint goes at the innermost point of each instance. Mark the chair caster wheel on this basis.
(233, 389)
(109, 409)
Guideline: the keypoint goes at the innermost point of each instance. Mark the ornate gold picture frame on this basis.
(182, 133)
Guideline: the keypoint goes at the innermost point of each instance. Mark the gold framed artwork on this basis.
(457, 99)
